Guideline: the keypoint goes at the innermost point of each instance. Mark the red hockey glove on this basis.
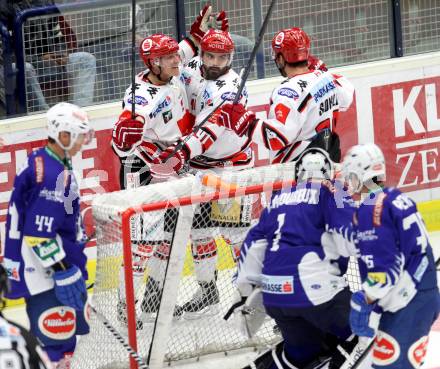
(200, 26)
(316, 64)
(220, 21)
(126, 133)
(236, 118)
(165, 165)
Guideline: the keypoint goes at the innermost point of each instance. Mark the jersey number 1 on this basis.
(276, 241)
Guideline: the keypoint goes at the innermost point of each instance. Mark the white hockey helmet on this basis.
(65, 117)
(314, 163)
(363, 163)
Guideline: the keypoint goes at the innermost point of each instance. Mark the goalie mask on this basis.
(313, 163)
(293, 44)
(65, 117)
(217, 50)
(363, 164)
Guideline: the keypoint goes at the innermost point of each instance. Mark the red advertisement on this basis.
(407, 128)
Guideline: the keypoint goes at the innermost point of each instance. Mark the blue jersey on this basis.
(44, 207)
(298, 251)
(396, 257)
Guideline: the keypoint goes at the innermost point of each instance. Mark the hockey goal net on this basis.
(166, 257)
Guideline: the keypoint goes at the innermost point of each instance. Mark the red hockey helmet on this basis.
(156, 46)
(293, 44)
(217, 41)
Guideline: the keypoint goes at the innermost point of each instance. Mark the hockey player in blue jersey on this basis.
(44, 248)
(399, 300)
(298, 254)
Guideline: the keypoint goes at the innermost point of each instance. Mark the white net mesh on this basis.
(186, 319)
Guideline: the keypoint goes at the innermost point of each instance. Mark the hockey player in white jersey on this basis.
(161, 118)
(304, 108)
(399, 300)
(209, 79)
(298, 254)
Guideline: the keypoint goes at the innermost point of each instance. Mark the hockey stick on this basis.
(120, 339)
(133, 60)
(364, 354)
(240, 87)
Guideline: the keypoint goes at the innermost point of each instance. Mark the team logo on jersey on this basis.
(12, 268)
(167, 116)
(138, 100)
(281, 112)
(386, 349)
(288, 92)
(58, 323)
(278, 285)
(417, 352)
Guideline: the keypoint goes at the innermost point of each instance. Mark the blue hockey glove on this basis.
(360, 315)
(70, 287)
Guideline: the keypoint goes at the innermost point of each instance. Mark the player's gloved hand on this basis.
(200, 26)
(236, 118)
(169, 163)
(316, 64)
(219, 21)
(360, 314)
(126, 133)
(70, 287)
(248, 312)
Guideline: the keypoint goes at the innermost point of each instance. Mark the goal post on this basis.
(143, 285)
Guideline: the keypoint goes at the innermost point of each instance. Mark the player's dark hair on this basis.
(302, 63)
(51, 140)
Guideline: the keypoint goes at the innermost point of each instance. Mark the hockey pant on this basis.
(56, 325)
(402, 338)
(315, 331)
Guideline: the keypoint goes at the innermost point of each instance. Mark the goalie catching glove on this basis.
(236, 118)
(70, 287)
(248, 312)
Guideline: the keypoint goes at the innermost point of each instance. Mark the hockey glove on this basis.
(248, 312)
(165, 165)
(219, 21)
(70, 287)
(200, 26)
(316, 64)
(126, 133)
(236, 118)
(360, 314)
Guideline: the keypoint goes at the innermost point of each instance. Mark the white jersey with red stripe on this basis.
(302, 106)
(215, 146)
(164, 110)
